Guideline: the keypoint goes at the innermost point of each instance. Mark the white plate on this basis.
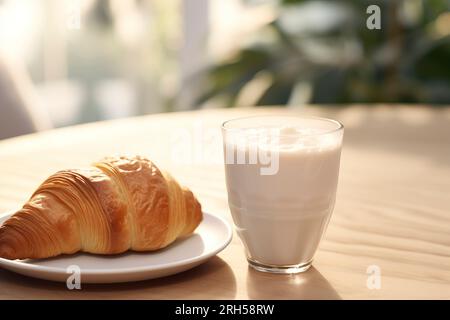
(210, 237)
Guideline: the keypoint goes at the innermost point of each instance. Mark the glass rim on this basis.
(339, 125)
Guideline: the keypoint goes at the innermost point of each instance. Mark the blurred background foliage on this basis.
(322, 52)
(127, 58)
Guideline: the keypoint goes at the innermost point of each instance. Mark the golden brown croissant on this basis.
(116, 205)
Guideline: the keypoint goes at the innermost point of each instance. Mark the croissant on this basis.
(118, 204)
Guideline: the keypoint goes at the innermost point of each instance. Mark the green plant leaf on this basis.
(278, 93)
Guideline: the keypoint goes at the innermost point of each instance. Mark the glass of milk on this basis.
(281, 174)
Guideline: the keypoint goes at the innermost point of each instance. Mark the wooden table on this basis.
(392, 211)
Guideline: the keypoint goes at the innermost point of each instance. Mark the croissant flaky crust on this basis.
(116, 205)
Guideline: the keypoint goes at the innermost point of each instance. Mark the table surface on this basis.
(392, 212)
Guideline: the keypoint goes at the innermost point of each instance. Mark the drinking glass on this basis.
(281, 175)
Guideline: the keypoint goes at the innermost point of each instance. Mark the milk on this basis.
(281, 217)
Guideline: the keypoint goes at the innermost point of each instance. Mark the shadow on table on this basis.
(213, 279)
(310, 285)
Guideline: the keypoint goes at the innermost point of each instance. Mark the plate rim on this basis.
(55, 270)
